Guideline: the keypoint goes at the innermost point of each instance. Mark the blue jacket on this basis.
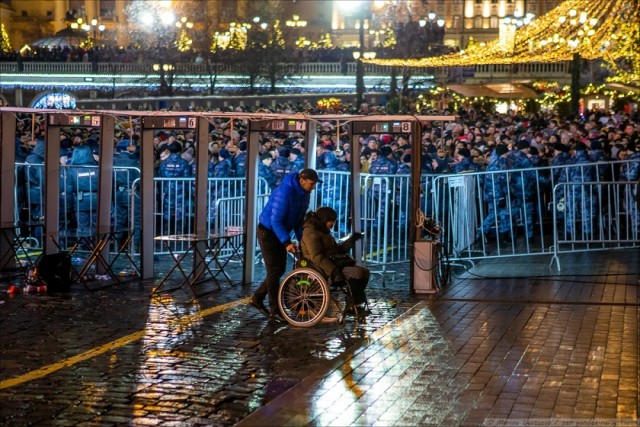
(265, 173)
(298, 164)
(240, 164)
(222, 169)
(523, 184)
(384, 166)
(631, 170)
(496, 185)
(286, 209)
(281, 166)
(174, 166)
(582, 172)
(465, 165)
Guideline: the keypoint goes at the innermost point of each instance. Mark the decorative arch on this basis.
(54, 100)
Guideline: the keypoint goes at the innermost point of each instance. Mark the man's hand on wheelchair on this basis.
(292, 248)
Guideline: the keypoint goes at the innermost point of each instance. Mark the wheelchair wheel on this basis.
(303, 297)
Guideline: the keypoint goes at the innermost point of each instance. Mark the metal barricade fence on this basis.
(506, 213)
(29, 198)
(334, 193)
(385, 216)
(595, 216)
(456, 201)
(175, 210)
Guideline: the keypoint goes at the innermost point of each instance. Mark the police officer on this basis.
(495, 191)
(523, 184)
(240, 160)
(296, 157)
(579, 203)
(264, 170)
(35, 180)
(174, 203)
(82, 186)
(281, 165)
(126, 170)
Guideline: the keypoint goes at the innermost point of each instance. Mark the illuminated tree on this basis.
(5, 43)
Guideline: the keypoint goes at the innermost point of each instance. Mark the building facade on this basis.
(123, 22)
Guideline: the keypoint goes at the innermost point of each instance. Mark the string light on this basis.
(605, 29)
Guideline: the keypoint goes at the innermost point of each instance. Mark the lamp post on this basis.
(166, 85)
(358, 56)
(432, 30)
(95, 27)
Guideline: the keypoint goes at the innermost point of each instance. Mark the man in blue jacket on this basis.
(283, 214)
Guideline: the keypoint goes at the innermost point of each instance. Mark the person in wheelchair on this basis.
(330, 257)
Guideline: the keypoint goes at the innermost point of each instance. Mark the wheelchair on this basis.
(306, 299)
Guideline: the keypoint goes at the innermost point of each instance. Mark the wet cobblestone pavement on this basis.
(545, 347)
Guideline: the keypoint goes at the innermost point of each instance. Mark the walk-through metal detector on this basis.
(55, 122)
(268, 124)
(7, 189)
(170, 122)
(377, 125)
(422, 252)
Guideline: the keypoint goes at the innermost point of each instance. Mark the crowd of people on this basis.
(475, 142)
(133, 54)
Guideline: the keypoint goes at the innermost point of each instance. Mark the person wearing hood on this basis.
(282, 215)
(35, 180)
(126, 169)
(321, 248)
(175, 204)
(82, 187)
(281, 166)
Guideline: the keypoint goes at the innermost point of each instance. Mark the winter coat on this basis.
(285, 209)
(280, 167)
(319, 245)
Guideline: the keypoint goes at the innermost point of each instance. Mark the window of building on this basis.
(494, 22)
(456, 22)
(477, 22)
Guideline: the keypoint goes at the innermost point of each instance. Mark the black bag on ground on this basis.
(55, 271)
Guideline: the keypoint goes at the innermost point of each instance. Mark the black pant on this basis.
(274, 254)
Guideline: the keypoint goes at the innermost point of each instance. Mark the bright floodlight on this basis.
(167, 18)
(147, 19)
(348, 5)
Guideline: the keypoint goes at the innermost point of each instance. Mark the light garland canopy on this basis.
(596, 29)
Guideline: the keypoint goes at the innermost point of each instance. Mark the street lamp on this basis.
(583, 28)
(296, 22)
(432, 29)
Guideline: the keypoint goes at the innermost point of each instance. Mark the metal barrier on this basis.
(385, 212)
(478, 224)
(475, 227)
(594, 216)
(174, 210)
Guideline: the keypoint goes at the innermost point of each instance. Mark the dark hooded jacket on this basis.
(319, 245)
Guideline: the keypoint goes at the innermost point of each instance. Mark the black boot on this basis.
(505, 238)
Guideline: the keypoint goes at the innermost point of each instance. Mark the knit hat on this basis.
(501, 149)
(224, 153)
(326, 214)
(384, 151)
(464, 152)
(560, 147)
